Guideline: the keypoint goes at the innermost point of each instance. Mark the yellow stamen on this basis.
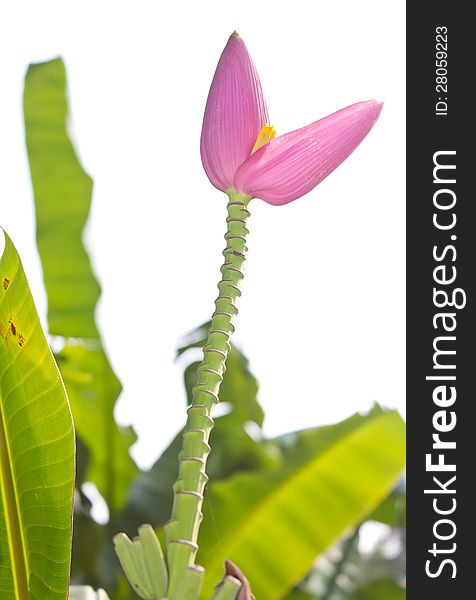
(265, 135)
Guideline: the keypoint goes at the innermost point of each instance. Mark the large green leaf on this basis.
(274, 523)
(93, 389)
(62, 192)
(392, 511)
(36, 450)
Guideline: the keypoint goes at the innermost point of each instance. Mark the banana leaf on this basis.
(36, 449)
(274, 523)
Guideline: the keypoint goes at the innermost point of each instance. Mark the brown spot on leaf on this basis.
(21, 340)
(13, 328)
(6, 283)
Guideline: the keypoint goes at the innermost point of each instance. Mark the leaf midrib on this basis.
(15, 539)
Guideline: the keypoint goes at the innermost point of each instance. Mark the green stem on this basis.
(182, 529)
(339, 567)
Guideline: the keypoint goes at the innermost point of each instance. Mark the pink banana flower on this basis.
(239, 149)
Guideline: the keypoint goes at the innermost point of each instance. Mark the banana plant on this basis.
(241, 158)
(273, 505)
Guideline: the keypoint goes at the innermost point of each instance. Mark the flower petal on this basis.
(234, 115)
(293, 164)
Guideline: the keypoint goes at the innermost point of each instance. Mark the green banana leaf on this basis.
(341, 571)
(274, 523)
(392, 511)
(92, 390)
(36, 449)
(62, 192)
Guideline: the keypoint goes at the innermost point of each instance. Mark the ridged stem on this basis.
(182, 529)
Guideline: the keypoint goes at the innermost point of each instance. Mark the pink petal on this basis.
(234, 114)
(293, 164)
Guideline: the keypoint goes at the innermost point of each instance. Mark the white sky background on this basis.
(322, 312)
